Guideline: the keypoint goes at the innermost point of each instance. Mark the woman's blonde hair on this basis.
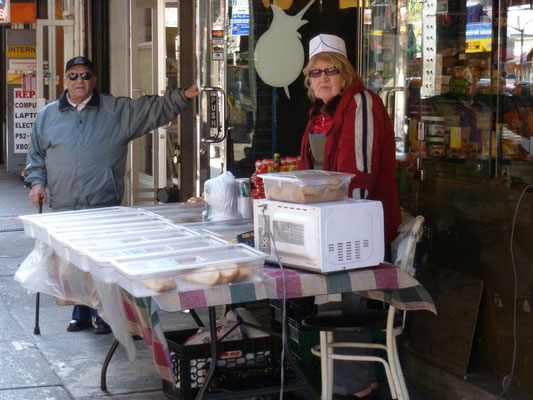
(339, 61)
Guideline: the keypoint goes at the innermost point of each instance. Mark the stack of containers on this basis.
(307, 186)
(144, 253)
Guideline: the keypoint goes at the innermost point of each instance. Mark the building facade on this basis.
(456, 77)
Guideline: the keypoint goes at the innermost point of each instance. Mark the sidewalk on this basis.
(57, 365)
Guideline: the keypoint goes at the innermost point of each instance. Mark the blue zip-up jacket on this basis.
(80, 156)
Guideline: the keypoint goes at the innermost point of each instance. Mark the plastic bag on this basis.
(248, 331)
(224, 325)
(221, 198)
(401, 242)
(43, 271)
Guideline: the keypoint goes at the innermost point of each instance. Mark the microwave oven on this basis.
(322, 237)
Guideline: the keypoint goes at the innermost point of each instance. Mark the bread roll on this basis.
(209, 278)
(160, 284)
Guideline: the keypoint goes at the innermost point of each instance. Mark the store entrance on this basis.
(154, 60)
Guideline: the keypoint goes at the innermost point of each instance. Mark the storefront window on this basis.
(456, 78)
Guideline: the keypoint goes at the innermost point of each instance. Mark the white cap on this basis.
(324, 42)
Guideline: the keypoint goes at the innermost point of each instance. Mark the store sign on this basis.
(213, 114)
(4, 11)
(25, 111)
(240, 24)
(240, 18)
(279, 53)
(478, 37)
(23, 65)
(217, 44)
(22, 51)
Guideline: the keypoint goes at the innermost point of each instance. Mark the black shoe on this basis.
(100, 327)
(76, 325)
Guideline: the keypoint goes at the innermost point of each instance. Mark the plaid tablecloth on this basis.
(384, 282)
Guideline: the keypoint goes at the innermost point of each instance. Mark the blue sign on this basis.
(240, 24)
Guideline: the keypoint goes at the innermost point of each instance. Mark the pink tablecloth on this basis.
(384, 282)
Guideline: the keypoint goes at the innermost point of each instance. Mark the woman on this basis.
(350, 131)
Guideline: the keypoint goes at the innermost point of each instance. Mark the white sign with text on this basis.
(25, 110)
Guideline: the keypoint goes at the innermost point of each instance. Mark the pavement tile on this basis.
(148, 395)
(11, 329)
(24, 366)
(14, 295)
(15, 245)
(41, 393)
(78, 357)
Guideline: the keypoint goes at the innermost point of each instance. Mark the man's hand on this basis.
(191, 92)
(37, 192)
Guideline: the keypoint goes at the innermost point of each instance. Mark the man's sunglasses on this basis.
(317, 73)
(73, 76)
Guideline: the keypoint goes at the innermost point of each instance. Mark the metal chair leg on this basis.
(392, 355)
(36, 329)
(329, 362)
(112, 349)
(403, 386)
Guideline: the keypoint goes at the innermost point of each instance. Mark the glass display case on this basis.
(456, 84)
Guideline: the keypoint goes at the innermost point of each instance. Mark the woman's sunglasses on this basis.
(317, 73)
(73, 76)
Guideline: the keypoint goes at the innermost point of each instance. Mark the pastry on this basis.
(160, 284)
(209, 278)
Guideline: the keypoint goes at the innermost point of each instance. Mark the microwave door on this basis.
(295, 235)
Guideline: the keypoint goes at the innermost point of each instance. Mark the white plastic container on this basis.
(153, 275)
(178, 213)
(43, 230)
(99, 260)
(63, 241)
(227, 230)
(306, 186)
(29, 221)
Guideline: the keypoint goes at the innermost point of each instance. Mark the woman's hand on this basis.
(191, 92)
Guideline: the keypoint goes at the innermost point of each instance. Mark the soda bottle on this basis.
(277, 163)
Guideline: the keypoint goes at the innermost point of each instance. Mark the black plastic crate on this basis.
(239, 360)
(296, 309)
(300, 342)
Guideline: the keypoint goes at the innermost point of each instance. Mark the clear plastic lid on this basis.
(119, 238)
(174, 264)
(103, 230)
(78, 214)
(186, 244)
(93, 223)
(38, 224)
(308, 177)
(225, 229)
(173, 208)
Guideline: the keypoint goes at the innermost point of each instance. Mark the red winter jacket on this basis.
(361, 123)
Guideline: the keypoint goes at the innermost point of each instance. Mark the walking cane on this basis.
(36, 329)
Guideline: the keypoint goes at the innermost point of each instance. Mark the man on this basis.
(79, 145)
